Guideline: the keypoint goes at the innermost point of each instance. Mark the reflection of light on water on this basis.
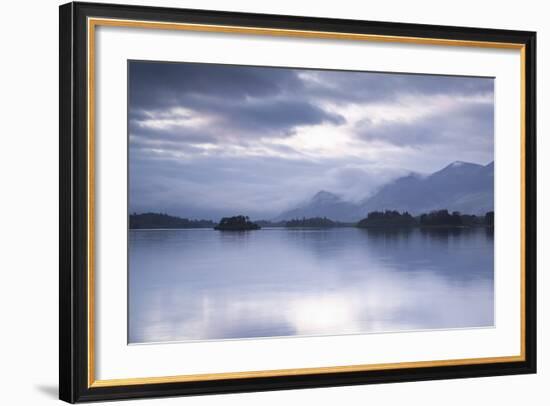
(359, 285)
(380, 303)
(322, 315)
(367, 306)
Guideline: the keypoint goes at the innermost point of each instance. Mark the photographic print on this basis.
(286, 202)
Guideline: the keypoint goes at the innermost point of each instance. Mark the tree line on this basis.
(386, 218)
(436, 218)
(311, 222)
(163, 220)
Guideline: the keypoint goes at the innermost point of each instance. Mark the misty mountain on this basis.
(323, 204)
(460, 186)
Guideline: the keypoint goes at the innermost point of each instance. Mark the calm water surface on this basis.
(204, 284)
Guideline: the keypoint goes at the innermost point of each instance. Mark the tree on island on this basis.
(388, 218)
(236, 223)
(319, 222)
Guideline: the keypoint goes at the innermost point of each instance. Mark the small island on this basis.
(236, 223)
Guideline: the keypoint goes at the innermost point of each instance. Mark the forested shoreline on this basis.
(375, 219)
(162, 220)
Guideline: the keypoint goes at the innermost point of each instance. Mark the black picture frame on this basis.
(74, 383)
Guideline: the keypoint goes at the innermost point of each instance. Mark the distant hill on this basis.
(323, 204)
(460, 186)
(160, 220)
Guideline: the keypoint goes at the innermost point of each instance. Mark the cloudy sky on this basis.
(210, 140)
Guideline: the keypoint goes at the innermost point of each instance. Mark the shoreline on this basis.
(319, 228)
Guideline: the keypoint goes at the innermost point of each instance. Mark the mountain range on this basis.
(460, 186)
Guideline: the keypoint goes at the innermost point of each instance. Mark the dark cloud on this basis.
(463, 123)
(224, 80)
(365, 87)
(160, 84)
(274, 115)
(249, 101)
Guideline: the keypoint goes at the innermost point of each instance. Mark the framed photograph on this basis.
(257, 202)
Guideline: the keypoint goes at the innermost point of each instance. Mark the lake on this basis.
(202, 284)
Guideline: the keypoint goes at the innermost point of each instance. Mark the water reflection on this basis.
(204, 284)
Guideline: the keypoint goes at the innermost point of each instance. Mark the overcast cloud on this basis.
(210, 140)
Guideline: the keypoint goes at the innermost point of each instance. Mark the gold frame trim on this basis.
(94, 22)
